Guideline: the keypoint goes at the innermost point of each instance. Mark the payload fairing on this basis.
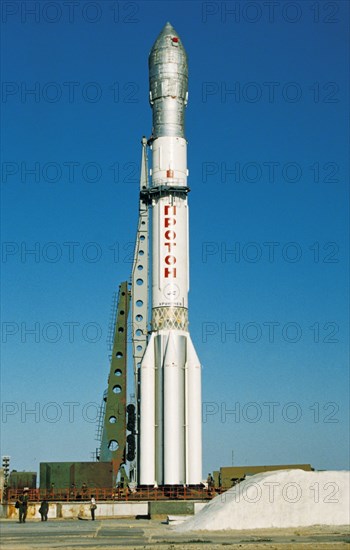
(170, 444)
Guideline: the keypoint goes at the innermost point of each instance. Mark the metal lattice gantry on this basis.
(113, 442)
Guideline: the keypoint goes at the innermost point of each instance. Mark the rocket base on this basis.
(170, 425)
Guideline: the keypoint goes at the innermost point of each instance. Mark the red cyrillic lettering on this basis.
(170, 235)
(169, 272)
(170, 260)
(169, 221)
(166, 209)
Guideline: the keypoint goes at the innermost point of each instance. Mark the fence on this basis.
(116, 494)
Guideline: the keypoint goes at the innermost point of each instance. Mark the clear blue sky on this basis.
(268, 95)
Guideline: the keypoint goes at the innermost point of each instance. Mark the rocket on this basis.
(170, 438)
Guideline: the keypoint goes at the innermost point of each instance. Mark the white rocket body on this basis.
(170, 451)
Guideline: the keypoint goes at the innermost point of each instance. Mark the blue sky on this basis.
(268, 159)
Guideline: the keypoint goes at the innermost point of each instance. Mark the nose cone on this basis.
(168, 83)
(167, 38)
(168, 69)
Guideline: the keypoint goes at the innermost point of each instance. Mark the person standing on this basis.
(23, 506)
(93, 507)
(43, 510)
(73, 491)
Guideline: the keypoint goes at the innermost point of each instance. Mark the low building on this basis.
(75, 475)
(230, 475)
(19, 480)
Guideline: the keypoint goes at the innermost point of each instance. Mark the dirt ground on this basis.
(143, 534)
(318, 537)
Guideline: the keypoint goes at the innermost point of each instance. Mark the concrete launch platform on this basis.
(151, 534)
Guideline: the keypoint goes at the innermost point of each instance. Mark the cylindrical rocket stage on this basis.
(170, 408)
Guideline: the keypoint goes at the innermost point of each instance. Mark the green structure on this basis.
(230, 475)
(75, 475)
(113, 437)
(19, 480)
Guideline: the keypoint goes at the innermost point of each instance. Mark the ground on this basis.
(127, 534)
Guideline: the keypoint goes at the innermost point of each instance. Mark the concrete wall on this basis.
(71, 510)
(104, 509)
(163, 508)
(32, 512)
(3, 510)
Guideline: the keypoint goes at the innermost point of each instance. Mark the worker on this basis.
(210, 481)
(43, 510)
(73, 491)
(93, 507)
(23, 505)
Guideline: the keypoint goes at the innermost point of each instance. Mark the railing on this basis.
(117, 494)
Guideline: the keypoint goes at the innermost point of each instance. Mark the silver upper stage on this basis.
(168, 82)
